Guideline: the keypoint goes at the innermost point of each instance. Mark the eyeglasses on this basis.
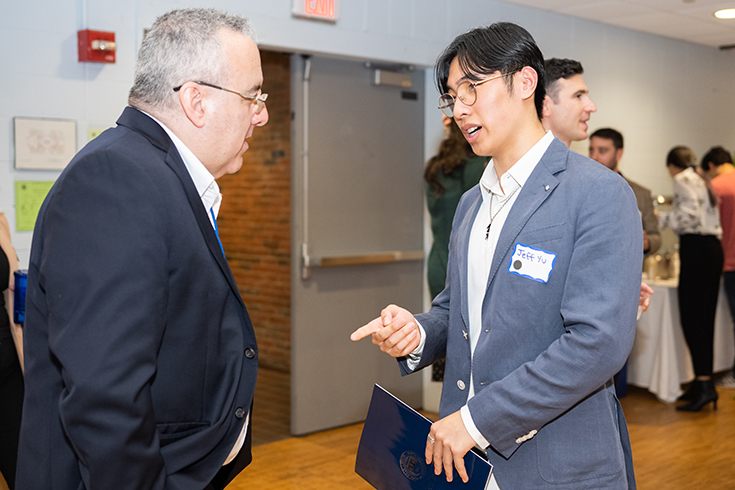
(258, 99)
(465, 92)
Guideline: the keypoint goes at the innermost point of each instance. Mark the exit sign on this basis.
(317, 9)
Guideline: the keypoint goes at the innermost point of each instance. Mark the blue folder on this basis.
(392, 447)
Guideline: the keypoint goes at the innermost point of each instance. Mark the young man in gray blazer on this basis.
(542, 288)
(140, 356)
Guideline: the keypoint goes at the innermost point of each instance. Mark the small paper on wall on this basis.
(29, 195)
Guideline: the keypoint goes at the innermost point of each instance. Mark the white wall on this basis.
(659, 92)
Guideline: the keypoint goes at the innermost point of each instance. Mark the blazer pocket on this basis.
(172, 432)
(546, 233)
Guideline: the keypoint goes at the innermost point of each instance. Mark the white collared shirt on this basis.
(691, 212)
(204, 182)
(500, 195)
(211, 197)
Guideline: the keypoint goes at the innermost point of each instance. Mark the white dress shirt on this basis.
(211, 197)
(500, 194)
(498, 197)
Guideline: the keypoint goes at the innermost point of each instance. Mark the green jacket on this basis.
(441, 209)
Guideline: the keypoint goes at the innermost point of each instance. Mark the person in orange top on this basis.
(717, 164)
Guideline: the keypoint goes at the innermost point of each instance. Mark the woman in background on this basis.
(11, 375)
(694, 217)
(450, 173)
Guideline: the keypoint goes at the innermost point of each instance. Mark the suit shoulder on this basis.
(118, 163)
(582, 167)
(119, 150)
(560, 160)
(587, 179)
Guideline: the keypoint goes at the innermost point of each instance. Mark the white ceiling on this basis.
(690, 20)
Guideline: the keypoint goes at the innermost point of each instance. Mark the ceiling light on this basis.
(725, 14)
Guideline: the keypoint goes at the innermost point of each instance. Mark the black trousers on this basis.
(730, 294)
(11, 406)
(699, 286)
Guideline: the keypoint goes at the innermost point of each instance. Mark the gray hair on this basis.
(181, 46)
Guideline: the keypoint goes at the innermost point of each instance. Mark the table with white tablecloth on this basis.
(660, 360)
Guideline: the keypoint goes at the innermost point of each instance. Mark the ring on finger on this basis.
(430, 439)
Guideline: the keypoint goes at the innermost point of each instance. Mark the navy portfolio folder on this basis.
(392, 447)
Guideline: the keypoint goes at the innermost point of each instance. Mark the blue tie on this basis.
(216, 231)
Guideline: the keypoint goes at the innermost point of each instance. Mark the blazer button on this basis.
(460, 384)
(240, 413)
(249, 353)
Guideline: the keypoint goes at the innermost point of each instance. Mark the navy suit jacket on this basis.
(140, 357)
(547, 351)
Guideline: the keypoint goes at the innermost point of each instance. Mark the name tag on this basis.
(532, 263)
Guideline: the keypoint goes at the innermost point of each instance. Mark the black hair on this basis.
(681, 157)
(503, 47)
(716, 156)
(557, 68)
(609, 134)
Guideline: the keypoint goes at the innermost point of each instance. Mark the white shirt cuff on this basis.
(469, 424)
(414, 357)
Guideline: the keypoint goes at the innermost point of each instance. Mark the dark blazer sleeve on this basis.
(105, 255)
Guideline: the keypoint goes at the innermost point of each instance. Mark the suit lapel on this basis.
(143, 124)
(463, 244)
(539, 186)
(173, 160)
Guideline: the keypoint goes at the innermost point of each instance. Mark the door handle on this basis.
(309, 262)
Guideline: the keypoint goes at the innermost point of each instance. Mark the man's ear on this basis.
(619, 154)
(192, 102)
(546, 112)
(529, 81)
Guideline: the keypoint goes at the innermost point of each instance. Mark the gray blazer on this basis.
(543, 365)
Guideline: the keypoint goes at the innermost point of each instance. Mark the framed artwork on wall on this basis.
(43, 144)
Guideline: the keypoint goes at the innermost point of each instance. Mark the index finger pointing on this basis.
(366, 330)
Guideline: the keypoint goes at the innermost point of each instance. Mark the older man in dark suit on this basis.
(140, 357)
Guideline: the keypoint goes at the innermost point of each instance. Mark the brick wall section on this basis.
(255, 220)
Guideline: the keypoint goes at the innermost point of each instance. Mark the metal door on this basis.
(357, 236)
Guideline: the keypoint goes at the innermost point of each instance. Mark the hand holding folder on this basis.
(447, 444)
(392, 447)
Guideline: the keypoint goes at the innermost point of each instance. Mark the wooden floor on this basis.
(671, 451)
(679, 450)
(271, 407)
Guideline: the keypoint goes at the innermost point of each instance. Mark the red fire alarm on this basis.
(96, 46)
